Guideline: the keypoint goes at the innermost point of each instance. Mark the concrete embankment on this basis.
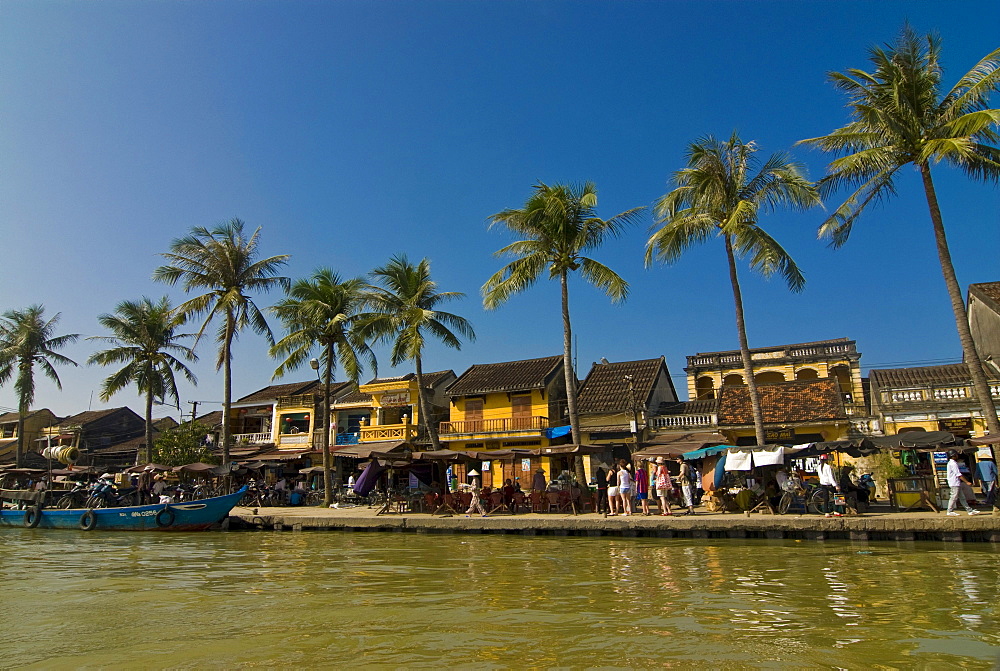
(984, 528)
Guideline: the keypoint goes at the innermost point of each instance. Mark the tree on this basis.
(559, 226)
(223, 263)
(183, 444)
(25, 340)
(402, 307)
(900, 117)
(321, 311)
(721, 193)
(145, 340)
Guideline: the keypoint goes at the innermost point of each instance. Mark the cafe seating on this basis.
(538, 502)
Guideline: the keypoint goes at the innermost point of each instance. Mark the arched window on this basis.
(769, 377)
(842, 374)
(732, 380)
(704, 388)
(806, 374)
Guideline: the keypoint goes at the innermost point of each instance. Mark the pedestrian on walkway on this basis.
(829, 485)
(602, 489)
(476, 505)
(986, 471)
(625, 487)
(612, 489)
(663, 486)
(642, 487)
(687, 484)
(955, 481)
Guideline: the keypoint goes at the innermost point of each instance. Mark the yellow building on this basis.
(395, 406)
(838, 359)
(930, 398)
(34, 423)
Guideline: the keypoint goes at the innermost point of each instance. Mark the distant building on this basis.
(104, 437)
(34, 423)
(984, 322)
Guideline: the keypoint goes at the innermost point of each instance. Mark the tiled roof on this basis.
(699, 407)
(212, 419)
(834, 341)
(268, 394)
(989, 291)
(430, 379)
(607, 390)
(12, 416)
(484, 378)
(784, 402)
(901, 378)
(89, 416)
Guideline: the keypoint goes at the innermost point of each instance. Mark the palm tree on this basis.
(721, 193)
(25, 340)
(145, 340)
(223, 263)
(402, 303)
(900, 117)
(321, 311)
(559, 226)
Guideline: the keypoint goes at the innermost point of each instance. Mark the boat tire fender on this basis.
(32, 516)
(165, 517)
(88, 520)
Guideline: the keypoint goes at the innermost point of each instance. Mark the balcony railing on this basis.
(388, 432)
(294, 439)
(683, 421)
(731, 358)
(252, 438)
(945, 394)
(498, 425)
(348, 438)
(300, 401)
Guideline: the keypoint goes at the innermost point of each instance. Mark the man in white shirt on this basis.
(955, 481)
(828, 483)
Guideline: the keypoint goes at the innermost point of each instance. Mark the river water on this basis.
(393, 600)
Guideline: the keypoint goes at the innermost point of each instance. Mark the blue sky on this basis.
(351, 131)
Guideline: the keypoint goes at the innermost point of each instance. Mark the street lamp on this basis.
(635, 412)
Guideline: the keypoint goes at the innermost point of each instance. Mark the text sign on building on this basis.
(958, 424)
(395, 398)
(778, 435)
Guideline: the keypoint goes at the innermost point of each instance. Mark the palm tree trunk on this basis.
(425, 415)
(570, 374)
(980, 385)
(149, 426)
(741, 328)
(227, 367)
(325, 418)
(22, 412)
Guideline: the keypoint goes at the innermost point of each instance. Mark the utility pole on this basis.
(635, 413)
(194, 409)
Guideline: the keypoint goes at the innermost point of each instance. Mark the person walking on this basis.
(829, 485)
(986, 471)
(612, 490)
(663, 486)
(686, 481)
(625, 487)
(642, 487)
(476, 504)
(602, 490)
(955, 481)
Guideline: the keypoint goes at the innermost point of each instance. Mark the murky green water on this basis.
(73, 599)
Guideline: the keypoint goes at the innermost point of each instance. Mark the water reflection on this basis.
(324, 599)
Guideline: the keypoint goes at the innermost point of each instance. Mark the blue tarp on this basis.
(558, 431)
(706, 452)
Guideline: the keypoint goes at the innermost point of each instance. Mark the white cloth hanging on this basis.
(769, 458)
(738, 461)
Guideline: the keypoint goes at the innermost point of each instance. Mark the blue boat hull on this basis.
(187, 516)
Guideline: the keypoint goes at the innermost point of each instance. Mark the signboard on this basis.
(392, 399)
(956, 425)
(526, 465)
(940, 457)
(984, 452)
(486, 466)
(779, 435)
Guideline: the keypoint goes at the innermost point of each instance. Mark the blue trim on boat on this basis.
(186, 516)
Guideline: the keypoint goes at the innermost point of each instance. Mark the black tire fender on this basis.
(88, 520)
(165, 517)
(32, 516)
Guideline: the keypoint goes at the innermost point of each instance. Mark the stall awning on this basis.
(926, 441)
(707, 452)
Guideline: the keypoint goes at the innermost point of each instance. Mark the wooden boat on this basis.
(185, 516)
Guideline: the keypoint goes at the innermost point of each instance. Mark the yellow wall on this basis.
(498, 406)
(789, 371)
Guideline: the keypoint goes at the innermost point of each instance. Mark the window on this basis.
(295, 422)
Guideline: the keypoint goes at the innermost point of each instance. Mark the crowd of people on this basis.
(622, 487)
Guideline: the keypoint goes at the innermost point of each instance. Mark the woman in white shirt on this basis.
(625, 487)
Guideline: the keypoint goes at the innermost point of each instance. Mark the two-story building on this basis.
(617, 399)
(394, 410)
(930, 398)
(34, 422)
(809, 392)
(506, 405)
(104, 437)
